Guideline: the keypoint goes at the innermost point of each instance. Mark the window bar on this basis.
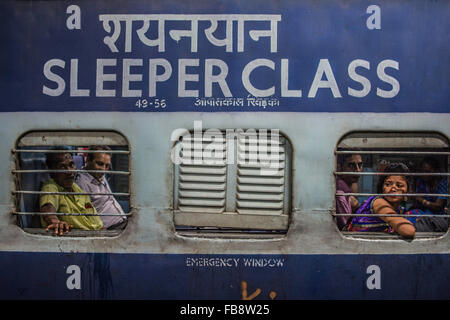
(69, 151)
(446, 216)
(392, 152)
(347, 173)
(395, 194)
(71, 214)
(70, 171)
(119, 194)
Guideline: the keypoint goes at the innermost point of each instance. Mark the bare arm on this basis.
(402, 226)
(354, 203)
(353, 200)
(436, 206)
(53, 220)
(354, 187)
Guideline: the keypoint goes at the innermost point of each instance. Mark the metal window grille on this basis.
(407, 148)
(30, 170)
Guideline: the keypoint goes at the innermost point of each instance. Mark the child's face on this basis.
(395, 184)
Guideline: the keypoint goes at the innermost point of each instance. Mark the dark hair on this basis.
(433, 162)
(52, 158)
(91, 156)
(395, 167)
(344, 156)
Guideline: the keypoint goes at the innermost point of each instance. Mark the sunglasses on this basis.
(355, 165)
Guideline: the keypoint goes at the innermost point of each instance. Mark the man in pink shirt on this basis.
(347, 184)
(95, 182)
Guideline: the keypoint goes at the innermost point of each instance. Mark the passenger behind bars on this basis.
(385, 204)
(65, 203)
(347, 184)
(430, 204)
(110, 210)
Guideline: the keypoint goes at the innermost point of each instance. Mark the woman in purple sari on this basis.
(385, 204)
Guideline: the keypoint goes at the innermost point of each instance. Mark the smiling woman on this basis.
(386, 205)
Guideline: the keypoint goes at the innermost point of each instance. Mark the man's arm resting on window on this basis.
(53, 220)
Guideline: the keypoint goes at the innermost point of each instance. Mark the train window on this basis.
(233, 182)
(82, 175)
(419, 161)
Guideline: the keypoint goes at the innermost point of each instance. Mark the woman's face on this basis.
(395, 184)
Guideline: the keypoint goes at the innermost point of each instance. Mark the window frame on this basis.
(46, 141)
(233, 223)
(426, 138)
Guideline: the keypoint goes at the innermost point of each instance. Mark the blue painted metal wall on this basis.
(162, 276)
(331, 34)
(412, 35)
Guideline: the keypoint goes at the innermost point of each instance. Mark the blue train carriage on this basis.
(225, 122)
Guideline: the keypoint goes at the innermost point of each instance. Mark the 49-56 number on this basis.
(155, 103)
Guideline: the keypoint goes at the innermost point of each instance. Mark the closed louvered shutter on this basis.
(202, 175)
(238, 181)
(261, 175)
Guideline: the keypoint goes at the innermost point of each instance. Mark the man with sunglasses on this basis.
(347, 184)
(110, 210)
